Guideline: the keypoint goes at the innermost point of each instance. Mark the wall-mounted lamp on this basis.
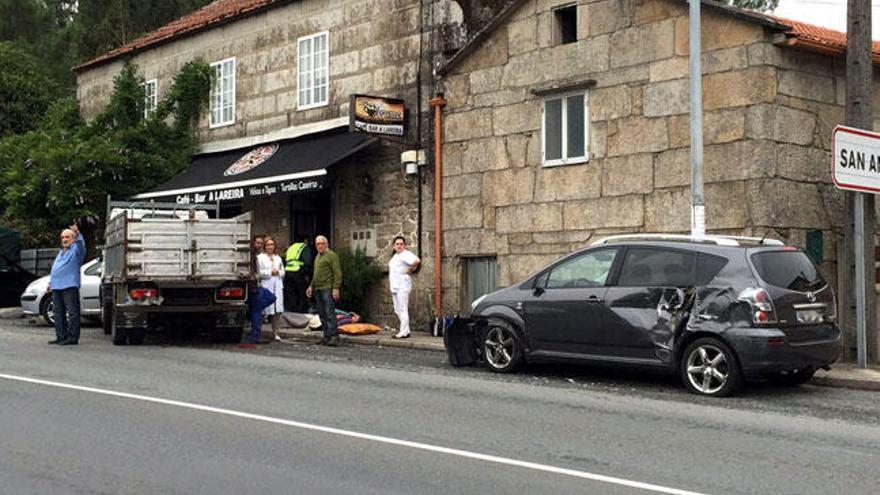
(412, 160)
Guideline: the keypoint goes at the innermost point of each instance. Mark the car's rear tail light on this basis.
(143, 293)
(761, 305)
(228, 293)
(776, 341)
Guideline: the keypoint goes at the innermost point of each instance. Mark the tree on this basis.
(25, 92)
(65, 169)
(102, 25)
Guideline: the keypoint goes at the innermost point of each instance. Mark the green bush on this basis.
(359, 273)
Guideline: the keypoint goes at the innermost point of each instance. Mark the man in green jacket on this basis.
(325, 285)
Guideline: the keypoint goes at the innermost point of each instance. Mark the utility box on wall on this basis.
(364, 239)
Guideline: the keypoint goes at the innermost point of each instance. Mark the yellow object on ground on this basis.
(359, 329)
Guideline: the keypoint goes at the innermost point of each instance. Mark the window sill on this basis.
(563, 163)
(310, 107)
(221, 124)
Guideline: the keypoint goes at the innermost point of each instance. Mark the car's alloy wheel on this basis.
(47, 310)
(710, 368)
(501, 348)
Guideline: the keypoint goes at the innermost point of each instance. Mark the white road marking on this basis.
(363, 436)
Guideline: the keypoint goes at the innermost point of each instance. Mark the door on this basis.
(90, 301)
(651, 284)
(311, 216)
(565, 310)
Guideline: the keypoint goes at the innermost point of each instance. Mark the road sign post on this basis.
(856, 167)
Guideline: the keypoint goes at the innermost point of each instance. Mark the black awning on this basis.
(292, 165)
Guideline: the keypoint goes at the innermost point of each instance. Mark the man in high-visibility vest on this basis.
(297, 273)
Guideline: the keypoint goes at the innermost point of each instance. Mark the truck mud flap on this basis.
(461, 340)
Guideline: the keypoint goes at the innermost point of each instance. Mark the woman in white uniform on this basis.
(400, 266)
(271, 270)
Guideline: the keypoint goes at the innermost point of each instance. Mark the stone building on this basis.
(285, 73)
(569, 120)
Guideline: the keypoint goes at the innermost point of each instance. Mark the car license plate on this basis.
(809, 316)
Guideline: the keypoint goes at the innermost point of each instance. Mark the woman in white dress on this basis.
(271, 270)
(401, 265)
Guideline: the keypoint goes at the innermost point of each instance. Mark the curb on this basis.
(369, 340)
(12, 313)
(841, 382)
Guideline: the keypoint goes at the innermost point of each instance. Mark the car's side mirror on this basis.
(538, 290)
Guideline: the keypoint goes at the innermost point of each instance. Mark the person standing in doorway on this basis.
(297, 273)
(64, 283)
(258, 297)
(400, 267)
(271, 270)
(325, 285)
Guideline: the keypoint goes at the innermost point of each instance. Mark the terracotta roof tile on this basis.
(801, 34)
(822, 39)
(213, 14)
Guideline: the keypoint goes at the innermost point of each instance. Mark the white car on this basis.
(35, 301)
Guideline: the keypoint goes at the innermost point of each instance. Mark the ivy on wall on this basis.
(63, 170)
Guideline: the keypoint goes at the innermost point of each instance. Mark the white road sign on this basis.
(856, 157)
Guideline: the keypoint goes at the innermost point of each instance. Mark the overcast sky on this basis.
(825, 13)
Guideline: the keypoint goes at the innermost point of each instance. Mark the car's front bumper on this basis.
(30, 304)
(763, 351)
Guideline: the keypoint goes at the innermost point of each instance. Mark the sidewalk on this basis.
(416, 340)
(848, 375)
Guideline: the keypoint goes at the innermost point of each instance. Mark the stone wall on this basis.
(768, 116)
(374, 49)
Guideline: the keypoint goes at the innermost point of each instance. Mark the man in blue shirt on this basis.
(64, 283)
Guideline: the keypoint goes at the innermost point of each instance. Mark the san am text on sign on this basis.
(856, 158)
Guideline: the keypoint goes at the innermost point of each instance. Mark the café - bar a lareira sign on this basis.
(377, 115)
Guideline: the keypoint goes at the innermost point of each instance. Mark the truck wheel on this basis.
(120, 335)
(136, 336)
(228, 335)
(107, 317)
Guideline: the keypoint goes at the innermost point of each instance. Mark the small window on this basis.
(150, 97)
(588, 270)
(95, 269)
(708, 267)
(645, 267)
(222, 110)
(566, 25)
(313, 75)
(564, 130)
(480, 277)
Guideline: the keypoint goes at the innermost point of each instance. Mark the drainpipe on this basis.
(437, 103)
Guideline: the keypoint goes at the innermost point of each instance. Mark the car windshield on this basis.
(791, 270)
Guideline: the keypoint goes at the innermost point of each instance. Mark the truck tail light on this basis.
(761, 305)
(231, 293)
(144, 293)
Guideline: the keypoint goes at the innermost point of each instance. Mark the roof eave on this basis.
(114, 54)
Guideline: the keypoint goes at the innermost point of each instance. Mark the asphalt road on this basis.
(182, 415)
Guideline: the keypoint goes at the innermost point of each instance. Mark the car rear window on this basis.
(791, 270)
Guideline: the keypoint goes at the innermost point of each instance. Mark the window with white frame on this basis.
(565, 130)
(222, 110)
(151, 90)
(313, 74)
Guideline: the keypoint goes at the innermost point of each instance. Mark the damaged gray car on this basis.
(715, 310)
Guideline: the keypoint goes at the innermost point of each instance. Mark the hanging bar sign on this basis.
(377, 115)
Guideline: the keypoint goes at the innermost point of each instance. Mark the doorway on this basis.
(311, 215)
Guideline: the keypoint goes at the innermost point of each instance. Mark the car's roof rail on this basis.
(720, 240)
